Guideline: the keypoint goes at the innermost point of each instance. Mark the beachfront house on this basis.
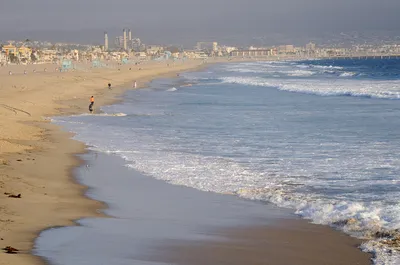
(8, 49)
(24, 54)
(141, 56)
(3, 58)
(195, 54)
(154, 50)
(47, 55)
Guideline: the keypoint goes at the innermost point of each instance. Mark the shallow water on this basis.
(320, 137)
(146, 214)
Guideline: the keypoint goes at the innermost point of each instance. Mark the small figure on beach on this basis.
(134, 84)
(10, 73)
(109, 85)
(24, 72)
(91, 104)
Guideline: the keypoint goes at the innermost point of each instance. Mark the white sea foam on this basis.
(285, 69)
(376, 89)
(225, 176)
(172, 89)
(318, 66)
(300, 73)
(347, 74)
(120, 114)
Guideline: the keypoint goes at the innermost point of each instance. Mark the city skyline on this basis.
(178, 21)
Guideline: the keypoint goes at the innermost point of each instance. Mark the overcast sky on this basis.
(183, 20)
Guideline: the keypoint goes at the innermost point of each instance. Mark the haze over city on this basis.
(186, 21)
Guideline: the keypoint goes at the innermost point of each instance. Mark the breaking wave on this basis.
(372, 89)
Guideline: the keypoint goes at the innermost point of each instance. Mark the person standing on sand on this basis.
(91, 104)
(109, 85)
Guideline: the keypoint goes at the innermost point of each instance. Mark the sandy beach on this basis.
(37, 159)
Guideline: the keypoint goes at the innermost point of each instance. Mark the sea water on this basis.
(320, 137)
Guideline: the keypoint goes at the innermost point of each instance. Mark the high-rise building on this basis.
(130, 36)
(124, 36)
(137, 45)
(105, 41)
(119, 42)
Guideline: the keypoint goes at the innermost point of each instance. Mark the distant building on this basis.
(195, 54)
(228, 50)
(310, 47)
(24, 51)
(154, 49)
(215, 47)
(137, 45)
(206, 46)
(286, 49)
(124, 40)
(9, 49)
(3, 58)
(251, 53)
(141, 55)
(105, 41)
(119, 42)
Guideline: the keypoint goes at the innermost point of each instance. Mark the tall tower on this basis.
(124, 31)
(105, 41)
(129, 39)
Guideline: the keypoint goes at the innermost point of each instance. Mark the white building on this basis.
(3, 58)
(154, 49)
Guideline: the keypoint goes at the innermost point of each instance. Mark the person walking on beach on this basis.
(91, 104)
(109, 85)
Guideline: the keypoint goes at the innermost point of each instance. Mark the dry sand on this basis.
(36, 157)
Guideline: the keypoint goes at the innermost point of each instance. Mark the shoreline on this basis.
(204, 228)
(39, 162)
(61, 140)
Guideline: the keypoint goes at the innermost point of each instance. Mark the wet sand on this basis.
(280, 243)
(154, 222)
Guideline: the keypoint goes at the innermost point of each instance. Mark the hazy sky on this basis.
(188, 20)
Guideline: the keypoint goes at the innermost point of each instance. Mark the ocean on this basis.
(318, 137)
